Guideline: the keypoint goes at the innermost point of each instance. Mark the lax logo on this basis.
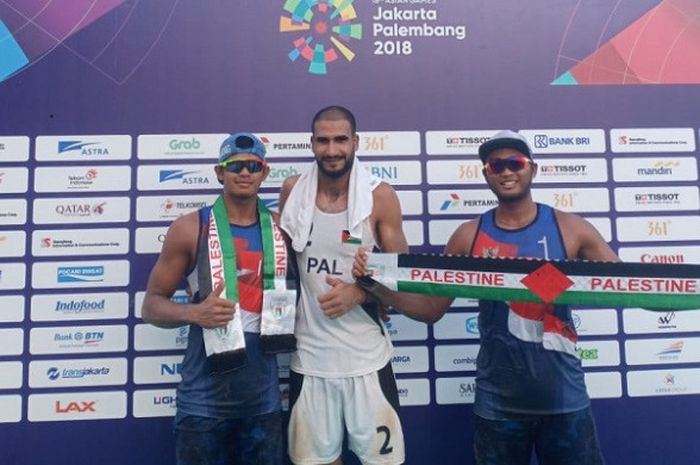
(324, 28)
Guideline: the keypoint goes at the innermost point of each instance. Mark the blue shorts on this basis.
(563, 439)
(214, 441)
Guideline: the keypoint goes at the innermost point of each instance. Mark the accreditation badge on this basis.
(278, 312)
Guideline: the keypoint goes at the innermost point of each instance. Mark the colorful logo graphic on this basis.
(326, 26)
(452, 202)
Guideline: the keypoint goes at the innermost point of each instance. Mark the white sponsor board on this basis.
(182, 146)
(546, 141)
(636, 140)
(402, 328)
(662, 351)
(655, 169)
(460, 202)
(69, 307)
(604, 385)
(12, 276)
(456, 357)
(69, 406)
(456, 142)
(158, 369)
(571, 170)
(13, 180)
(78, 339)
(634, 199)
(279, 171)
(169, 208)
(10, 375)
(10, 409)
(177, 177)
(658, 228)
(150, 403)
(603, 225)
(13, 211)
(13, 244)
(455, 172)
(396, 173)
(83, 148)
(66, 242)
(457, 326)
(640, 321)
(574, 200)
(455, 390)
(667, 382)
(410, 359)
(180, 297)
(598, 353)
(413, 392)
(82, 210)
(286, 144)
(150, 240)
(388, 143)
(78, 372)
(414, 232)
(595, 322)
(11, 308)
(83, 274)
(411, 202)
(11, 341)
(82, 179)
(656, 254)
(14, 148)
(148, 337)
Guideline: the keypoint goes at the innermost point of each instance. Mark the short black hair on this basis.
(334, 113)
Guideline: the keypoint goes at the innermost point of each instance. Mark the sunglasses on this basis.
(236, 166)
(514, 164)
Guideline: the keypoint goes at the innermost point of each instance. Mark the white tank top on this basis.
(354, 344)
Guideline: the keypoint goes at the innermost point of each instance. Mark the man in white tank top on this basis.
(341, 376)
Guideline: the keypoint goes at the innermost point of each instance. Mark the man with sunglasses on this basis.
(530, 390)
(228, 402)
(341, 379)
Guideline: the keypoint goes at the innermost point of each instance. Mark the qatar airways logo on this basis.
(79, 210)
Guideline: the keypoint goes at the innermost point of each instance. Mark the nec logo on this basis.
(170, 368)
(77, 407)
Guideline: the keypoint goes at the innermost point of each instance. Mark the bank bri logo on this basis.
(326, 26)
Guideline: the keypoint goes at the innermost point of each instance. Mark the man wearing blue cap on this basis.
(242, 312)
(530, 390)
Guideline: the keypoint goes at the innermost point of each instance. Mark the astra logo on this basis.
(72, 274)
(80, 146)
(77, 407)
(169, 175)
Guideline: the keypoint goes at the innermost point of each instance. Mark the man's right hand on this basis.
(214, 311)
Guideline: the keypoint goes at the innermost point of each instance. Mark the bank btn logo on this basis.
(325, 27)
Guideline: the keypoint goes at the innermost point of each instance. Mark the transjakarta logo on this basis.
(322, 30)
(54, 373)
(543, 141)
(72, 274)
(182, 176)
(83, 147)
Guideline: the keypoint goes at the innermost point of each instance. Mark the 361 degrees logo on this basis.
(325, 26)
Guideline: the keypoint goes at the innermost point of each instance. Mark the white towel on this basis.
(298, 211)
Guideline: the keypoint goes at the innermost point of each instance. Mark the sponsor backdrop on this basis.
(111, 113)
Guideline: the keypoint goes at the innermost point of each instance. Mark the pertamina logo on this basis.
(321, 29)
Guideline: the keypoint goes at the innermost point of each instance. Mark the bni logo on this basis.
(73, 274)
(323, 29)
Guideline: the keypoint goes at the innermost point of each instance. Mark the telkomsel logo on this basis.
(324, 27)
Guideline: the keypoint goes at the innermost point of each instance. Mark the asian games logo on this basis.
(325, 27)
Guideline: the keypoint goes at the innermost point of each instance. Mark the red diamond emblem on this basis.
(547, 282)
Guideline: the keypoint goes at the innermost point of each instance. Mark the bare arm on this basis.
(421, 307)
(286, 188)
(176, 257)
(582, 239)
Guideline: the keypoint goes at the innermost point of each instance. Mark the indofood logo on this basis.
(323, 29)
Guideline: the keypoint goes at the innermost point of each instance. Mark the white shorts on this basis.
(366, 406)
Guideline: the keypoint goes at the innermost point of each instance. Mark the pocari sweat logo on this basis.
(73, 274)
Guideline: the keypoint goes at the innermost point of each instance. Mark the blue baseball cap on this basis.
(241, 142)
(506, 139)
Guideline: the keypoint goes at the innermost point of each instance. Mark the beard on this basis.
(337, 173)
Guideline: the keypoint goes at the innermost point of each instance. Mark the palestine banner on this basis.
(652, 286)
